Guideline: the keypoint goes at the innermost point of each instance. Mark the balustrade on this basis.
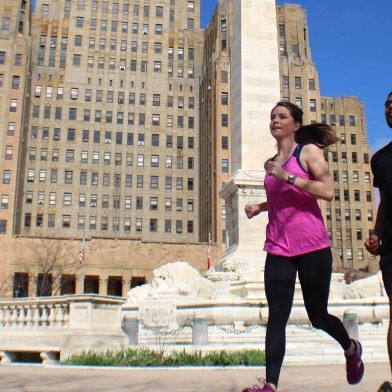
(34, 315)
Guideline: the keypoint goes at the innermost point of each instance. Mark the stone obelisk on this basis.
(255, 90)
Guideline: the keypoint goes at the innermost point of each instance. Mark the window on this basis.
(155, 120)
(366, 158)
(18, 59)
(158, 29)
(78, 40)
(139, 181)
(168, 183)
(298, 83)
(15, 82)
(154, 182)
(8, 152)
(68, 177)
(353, 138)
(225, 165)
(178, 226)
(67, 199)
(13, 105)
(298, 102)
(11, 128)
(76, 60)
(4, 201)
(7, 176)
(312, 85)
(225, 120)
(190, 184)
(93, 223)
(52, 198)
(312, 105)
(352, 121)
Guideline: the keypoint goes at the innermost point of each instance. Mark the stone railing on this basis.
(56, 327)
(51, 313)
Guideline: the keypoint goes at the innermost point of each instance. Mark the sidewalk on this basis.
(25, 378)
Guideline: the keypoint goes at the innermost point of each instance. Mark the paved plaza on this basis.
(331, 378)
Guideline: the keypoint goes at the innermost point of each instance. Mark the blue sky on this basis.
(352, 49)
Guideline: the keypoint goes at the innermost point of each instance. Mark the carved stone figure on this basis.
(177, 279)
(372, 286)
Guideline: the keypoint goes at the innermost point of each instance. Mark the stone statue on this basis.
(178, 280)
(371, 286)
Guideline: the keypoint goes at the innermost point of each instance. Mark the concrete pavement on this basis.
(328, 378)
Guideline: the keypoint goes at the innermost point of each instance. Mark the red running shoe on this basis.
(264, 387)
(354, 365)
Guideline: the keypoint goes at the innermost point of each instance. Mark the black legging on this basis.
(314, 272)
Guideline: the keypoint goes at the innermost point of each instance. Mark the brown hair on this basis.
(322, 135)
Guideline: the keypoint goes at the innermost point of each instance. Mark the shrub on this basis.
(147, 357)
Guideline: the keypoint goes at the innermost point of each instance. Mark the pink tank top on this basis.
(296, 224)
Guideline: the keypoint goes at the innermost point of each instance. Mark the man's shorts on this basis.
(386, 270)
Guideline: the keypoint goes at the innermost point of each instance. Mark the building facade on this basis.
(112, 139)
(350, 217)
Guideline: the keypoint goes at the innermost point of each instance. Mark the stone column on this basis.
(255, 90)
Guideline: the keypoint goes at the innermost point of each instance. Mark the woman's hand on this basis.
(275, 169)
(252, 210)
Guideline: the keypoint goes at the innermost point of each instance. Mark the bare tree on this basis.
(54, 263)
(5, 284)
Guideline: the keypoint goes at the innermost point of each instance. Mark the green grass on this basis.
(148, 357)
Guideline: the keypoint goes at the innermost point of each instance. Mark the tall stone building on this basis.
(350, 217)
(113, 130)
(15, 45)
(215, 122)
(300, 85)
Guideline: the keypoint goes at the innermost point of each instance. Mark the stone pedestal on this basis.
(246, 236)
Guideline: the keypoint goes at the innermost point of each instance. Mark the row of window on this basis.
(107, 158)
(94, 179)
(347, 215)
(113, 25)
(116, 201)
(107, 116)
(357, 195)
(355, 176)
(115, 9)
(298, 83)
(17, 59)
(133, 66)
(298, 102)
(97, 137)
(342, 121)
(66, 223)
(354, 157)
(45, 285)
(104, 44)
(359, 234)
(142, 101)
